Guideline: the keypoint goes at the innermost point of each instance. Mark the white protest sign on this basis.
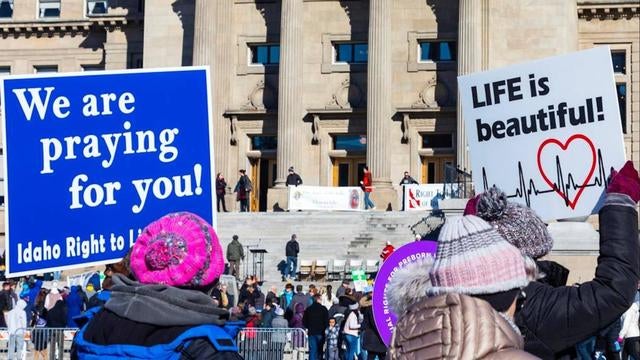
(547, 132)
(421, 197)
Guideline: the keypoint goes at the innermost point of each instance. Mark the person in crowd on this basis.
(52, 298)
(249, 296)
(279, 322)
(286, 299)
(372, 342)
(343, 287)
(243, 190)
(176, 261)
(252, 319)
(33, 290)
(56, 320)
(367, 186)
(226, 300)
(38, 323)
(91, 290)
(328, 299)
(6, 302)
(16, 326)
(221, 190)
(553, 319)
(407, 179)
(331, 334)
(75, 306)
(292, 249)
(300, 297)
(296, 320)
(351, 331)
(630, 332)
(272, 294)
(387, 251)
(476, 278)
(268, 313)
(235, 254)
(293, 179)
(316, 321)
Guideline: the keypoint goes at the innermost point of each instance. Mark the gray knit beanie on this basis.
(518, 224)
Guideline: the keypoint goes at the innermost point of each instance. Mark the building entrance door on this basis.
(433, 168)
(263, 177)
(348, 171)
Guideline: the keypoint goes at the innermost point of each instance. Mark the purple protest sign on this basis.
(385, 318)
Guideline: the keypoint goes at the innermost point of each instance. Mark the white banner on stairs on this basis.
(325, 198)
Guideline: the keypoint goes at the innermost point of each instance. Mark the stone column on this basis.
(212, 46)
(470, 59)
(115, 50)
(290, 108)
(379, 112)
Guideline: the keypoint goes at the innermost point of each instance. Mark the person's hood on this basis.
(20, 305)
(455, 326)
(162, 305)
(409, 285)
(299, 308)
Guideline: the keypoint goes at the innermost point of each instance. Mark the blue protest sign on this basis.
(92, 158)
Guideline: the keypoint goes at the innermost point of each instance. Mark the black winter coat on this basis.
(316, 319)
(292, 248)
(553, 319)
(371, 340)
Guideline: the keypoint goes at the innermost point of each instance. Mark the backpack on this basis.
(200, 337)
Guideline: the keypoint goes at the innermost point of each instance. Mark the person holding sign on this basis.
(553, 319)
(476, 279)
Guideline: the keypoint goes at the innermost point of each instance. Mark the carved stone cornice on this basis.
(63, 27)
(608, 10)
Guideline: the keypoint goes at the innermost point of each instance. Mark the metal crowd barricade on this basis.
(273, 344)
(39, 343)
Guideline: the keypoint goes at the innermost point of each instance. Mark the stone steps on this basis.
(322, 235)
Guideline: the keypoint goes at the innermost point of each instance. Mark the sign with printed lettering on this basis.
(92, 158)
(547, 132)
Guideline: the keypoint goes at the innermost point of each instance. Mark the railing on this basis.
(273, 344)
(253, 343)
(42, 343)
(457, 182)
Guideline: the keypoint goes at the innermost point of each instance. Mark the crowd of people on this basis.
(488, 293)
(339, 325)
(26, 304)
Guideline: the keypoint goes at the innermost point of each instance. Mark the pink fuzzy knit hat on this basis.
(474, 259)
(179, 249)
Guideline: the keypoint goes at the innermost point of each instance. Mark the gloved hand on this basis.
(626, 181)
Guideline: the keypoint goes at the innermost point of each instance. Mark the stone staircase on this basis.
(322, 235)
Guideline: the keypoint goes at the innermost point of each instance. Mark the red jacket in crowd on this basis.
(386, 252)
(366, 182)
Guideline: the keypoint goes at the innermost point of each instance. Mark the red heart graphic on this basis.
(558, 187)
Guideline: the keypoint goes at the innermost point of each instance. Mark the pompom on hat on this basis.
(473, 259)
(518, 224)
(179, 249)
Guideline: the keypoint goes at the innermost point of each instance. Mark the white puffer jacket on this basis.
(17, 319)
